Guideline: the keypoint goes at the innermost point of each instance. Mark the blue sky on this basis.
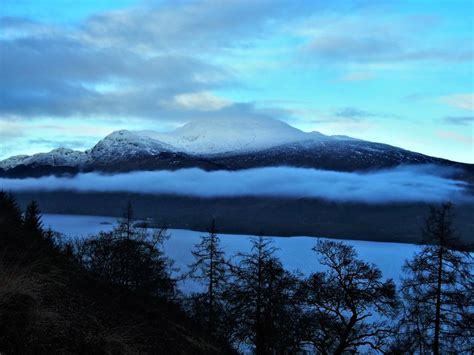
(397, 72)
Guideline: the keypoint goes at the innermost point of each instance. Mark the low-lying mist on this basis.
(423, 183)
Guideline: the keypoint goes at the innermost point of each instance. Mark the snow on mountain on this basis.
(209, 136)
(56, 157)
(231, 135)
(123, 143)
(13, 161)
(231, 143)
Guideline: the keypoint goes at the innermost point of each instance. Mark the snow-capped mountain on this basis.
(230, 136)
(126, 150)
(128, 144)
(219, 144)
(56, 157)
(13, 161)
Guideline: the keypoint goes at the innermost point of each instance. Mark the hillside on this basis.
(51, 304)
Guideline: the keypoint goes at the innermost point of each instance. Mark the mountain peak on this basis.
(230, 135)
(127, 143)
(56, 157)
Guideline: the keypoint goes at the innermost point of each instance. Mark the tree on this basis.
(130, 257)
(32, 223)
(210, 269)
(21, 232)
(347, 304)
(261, 300)
(126, 236)
(438, 290)
(11, 223)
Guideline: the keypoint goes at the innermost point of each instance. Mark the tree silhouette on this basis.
(348, 302)
(51, 304)
(32, 223)
(130, 257)
(11, 223)
(438, 290)
(210, 268)
(261, 301)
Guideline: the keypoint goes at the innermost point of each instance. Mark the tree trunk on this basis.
(211, 288)
(259, 343)
(344, 337)
(438, 303)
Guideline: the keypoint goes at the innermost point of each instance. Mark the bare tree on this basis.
(348, 303)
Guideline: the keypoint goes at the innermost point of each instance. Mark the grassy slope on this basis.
(49, 305)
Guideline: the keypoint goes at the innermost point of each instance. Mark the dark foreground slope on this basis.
(51, 305)
(399, 222)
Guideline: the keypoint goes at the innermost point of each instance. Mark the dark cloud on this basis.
(459, 120)
(62, 77)
(133, 62)
(402, 184)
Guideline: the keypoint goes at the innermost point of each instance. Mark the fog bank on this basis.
(425, 183)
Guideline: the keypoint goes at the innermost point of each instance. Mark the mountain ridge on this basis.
(213, 144)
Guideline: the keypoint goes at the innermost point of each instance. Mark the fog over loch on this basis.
(402, 184)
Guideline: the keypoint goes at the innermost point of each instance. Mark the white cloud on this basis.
(454, 136)
(357, 76)
(201, 101)
(461, 101)
(402, 184)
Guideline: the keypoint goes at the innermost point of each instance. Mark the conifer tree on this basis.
(10, 219)
(129, 256)
(438, 290)
(32, 223)
(261, 299)
(210, 269)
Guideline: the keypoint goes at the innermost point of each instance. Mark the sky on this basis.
(397, 72)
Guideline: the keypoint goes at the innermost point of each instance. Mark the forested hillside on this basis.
(114, 293)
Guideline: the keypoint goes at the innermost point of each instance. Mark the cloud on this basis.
(402, 184)
(201, 101)
(81, 144)
(454, 136)
(186, 26)
(353, 113)
(381, 41)
(11, 129)
(64, 77)
(136, 63)
(459, 120)
(357, 76)
(460, 101)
